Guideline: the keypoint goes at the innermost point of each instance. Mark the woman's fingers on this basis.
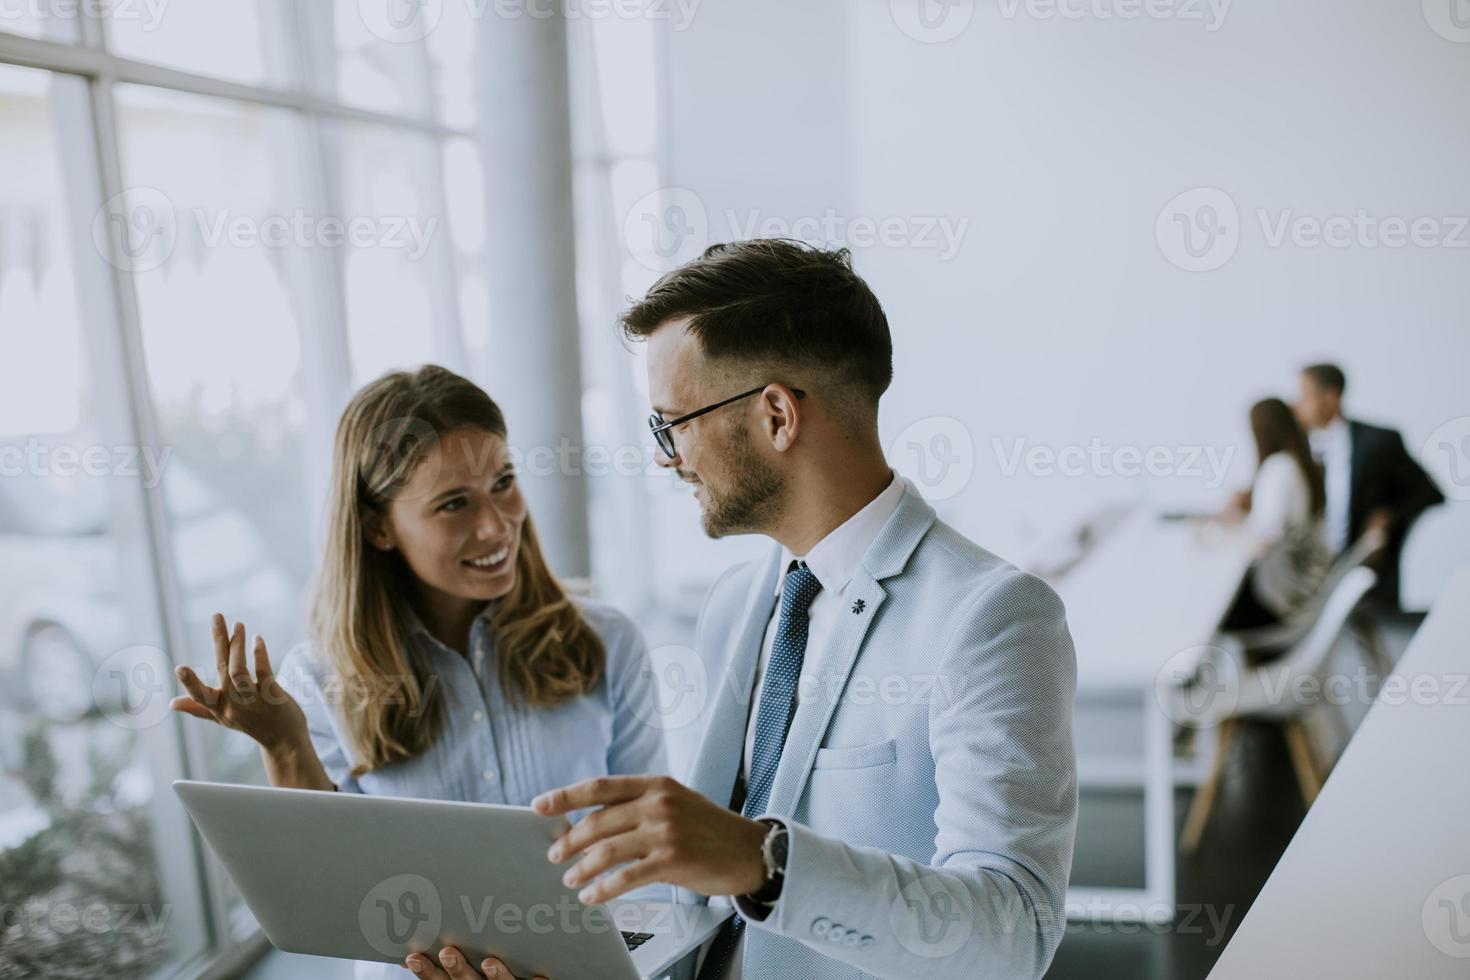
(454, 963)
(263, 671)
(240, 675)
(191, 707)
(221, 637)
(494, 969)
(205, 696)
(424, 967)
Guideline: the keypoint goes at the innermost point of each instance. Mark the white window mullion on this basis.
(87, 129)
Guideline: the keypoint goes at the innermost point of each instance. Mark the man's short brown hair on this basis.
(774, 303)
(1329, 377)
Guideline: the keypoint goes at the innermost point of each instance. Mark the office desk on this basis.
(1142, 604)
(1376, 882)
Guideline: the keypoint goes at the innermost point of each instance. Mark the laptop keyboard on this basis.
(636, 939)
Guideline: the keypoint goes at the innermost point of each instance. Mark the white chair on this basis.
(1239, 692)
(1281, 636)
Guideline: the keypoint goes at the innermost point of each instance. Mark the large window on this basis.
(215, 221)
(85, 754)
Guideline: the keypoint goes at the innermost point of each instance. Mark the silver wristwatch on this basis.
(773, 856)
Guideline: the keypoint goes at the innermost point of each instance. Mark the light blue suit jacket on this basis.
(928, 777)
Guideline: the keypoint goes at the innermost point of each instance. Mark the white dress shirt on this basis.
(1333, 447)
(1291, 550)
(833, 560)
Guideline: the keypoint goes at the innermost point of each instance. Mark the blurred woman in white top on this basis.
(1283, 516)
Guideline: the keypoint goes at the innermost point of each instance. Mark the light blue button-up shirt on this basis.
(494, 747)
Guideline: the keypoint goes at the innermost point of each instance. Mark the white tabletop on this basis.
(1376, 882)
(1148, 591)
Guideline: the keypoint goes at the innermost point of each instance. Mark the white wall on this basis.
(1060, 320)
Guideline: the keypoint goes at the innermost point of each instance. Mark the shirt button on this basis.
(479, 716)
(489, 775)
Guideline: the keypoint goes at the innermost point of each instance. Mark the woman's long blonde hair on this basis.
(361, 616)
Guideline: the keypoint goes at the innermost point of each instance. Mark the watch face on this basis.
(778, 849)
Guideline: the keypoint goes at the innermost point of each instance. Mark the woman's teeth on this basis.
(489, 561)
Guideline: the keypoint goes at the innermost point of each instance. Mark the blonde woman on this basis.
(445, 660)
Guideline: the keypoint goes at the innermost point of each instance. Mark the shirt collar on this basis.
(417, 628)
(1331, 436)
(835, 558)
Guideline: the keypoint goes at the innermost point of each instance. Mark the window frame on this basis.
(111, 321)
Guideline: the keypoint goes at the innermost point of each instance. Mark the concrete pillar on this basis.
(534, 367)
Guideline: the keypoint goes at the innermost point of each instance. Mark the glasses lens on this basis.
(664, 438)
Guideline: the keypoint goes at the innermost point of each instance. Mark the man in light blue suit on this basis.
(885, 784)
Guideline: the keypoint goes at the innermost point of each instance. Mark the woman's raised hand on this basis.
(249, 701)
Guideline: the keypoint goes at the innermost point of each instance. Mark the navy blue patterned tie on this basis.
(773, 718)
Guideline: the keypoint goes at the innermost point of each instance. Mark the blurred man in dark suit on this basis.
(1372, 481)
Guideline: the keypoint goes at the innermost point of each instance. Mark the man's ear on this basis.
(780, 416)
(376, 530)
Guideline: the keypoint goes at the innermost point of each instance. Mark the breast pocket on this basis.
(858, 756)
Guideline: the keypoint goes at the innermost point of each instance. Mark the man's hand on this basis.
(661, 831)
(455, 968)
(1380, 520)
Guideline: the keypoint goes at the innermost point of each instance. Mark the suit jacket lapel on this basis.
(862, 599)
(815, 710)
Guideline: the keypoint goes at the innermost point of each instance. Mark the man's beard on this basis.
(756, 494)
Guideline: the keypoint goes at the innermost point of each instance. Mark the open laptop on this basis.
(377, 878)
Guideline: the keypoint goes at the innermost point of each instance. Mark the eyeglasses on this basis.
(663, 431)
